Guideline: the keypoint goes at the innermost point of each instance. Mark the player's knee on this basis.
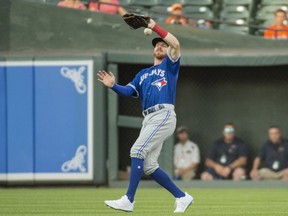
(150, 168)
(136, 153)
(206, 176)
(239, 173)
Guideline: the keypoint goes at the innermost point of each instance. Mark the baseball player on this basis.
(156, 88)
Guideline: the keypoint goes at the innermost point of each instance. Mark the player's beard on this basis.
(160, 55)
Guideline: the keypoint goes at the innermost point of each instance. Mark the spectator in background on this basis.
(280, 18)
(106, 8)
(227, 158)
(76, 4)
(176, 18)
(204, 24)
(274, 157)
(186, 156)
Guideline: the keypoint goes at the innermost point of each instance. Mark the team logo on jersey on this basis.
(160, 83)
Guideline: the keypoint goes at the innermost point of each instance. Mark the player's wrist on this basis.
(113, 85)
(151, 25)
(160, 31)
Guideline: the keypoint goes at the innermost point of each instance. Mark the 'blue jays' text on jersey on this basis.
(157, 84)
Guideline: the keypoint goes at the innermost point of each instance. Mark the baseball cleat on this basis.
(122, 204)
(183, 203)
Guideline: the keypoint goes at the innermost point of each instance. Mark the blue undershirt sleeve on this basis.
(127, 91)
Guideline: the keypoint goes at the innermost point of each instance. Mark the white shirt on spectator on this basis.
(186, 154)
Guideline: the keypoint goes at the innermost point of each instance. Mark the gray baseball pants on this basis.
(156, 128)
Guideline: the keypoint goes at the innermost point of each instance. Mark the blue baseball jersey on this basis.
(157, 84)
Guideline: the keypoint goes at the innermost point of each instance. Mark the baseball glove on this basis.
(136, 21)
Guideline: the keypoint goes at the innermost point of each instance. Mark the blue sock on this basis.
(135, 176)
(165, 181)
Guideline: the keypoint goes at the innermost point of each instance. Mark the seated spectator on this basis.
(76, 4)
(106, 8)
(176, 18)
(186, 156)
(280, 18)
(273, 156)
(204, 24)
(227, 158)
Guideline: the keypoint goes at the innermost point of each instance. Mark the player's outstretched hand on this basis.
(107, 78)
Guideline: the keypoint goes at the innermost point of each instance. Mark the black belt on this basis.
(153, 109)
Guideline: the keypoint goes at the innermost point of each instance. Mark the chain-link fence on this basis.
(253, 98)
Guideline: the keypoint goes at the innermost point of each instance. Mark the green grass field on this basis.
(89, 201)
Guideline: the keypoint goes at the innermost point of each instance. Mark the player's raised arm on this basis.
(169, 38)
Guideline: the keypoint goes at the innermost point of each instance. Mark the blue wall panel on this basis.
(60, 119)
(3, 141)
(20, 119)
(44, 116)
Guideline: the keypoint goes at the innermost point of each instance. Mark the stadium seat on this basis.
(232, 12)
(274, 2)
(265, 16)
(235, 29)
(124, 2)
(147, 3)
(236, 9)
(271, 8)
(160, 8)
(136, 9)
(198, 11)
(52, 1)
(237, 2)
(198, 2)
(238, 12)
(170, 2)
(267, 12)
(158, 16)
(159, 13)
(195, 9)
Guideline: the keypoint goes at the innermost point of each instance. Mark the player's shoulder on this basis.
(146, 70)
(143, 71)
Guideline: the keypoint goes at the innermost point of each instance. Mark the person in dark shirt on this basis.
(272, 159)
(228, 157)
